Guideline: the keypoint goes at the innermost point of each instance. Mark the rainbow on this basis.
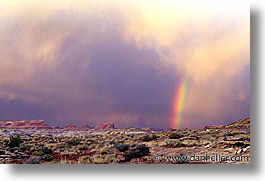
(178, 104)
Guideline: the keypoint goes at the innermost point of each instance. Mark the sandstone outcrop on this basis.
(105, 126)
(85, 126)
(70, 126)
(242, 123)
(25, 124)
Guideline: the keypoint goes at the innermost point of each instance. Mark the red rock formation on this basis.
(105, 126)
(25, 124)
(70, 126)
(85, 126)
(243, 123)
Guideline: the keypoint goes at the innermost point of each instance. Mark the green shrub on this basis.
(83, 147)
(25, 147)
(45, 150)
(28, 147)
(172, 143)
(147, 138)
(33, 161)
(122, 148)
(137, 152)
(32, 149)
(110, 160)
(14, 141)
(104, 152)
(86, 158)
(22, 146)
(38, 153)
(47, 158)
(60, 146)
(19, 162)
(74, 141)
(174, 135)
(35, 153)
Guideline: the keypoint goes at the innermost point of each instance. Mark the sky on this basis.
(182, 64)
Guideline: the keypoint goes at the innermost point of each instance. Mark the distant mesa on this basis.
(40, 124)
(242, 123)
(25, 124)
(85, 126)
(105, 126)
(102, 126)
(70, 126)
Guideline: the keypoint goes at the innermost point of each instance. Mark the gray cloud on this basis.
(71, 66)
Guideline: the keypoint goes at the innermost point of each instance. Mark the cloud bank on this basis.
(91, 62)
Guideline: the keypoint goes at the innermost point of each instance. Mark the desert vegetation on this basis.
(117, 146)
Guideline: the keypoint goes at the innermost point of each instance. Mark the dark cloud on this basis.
(79, 67)
(98, 78)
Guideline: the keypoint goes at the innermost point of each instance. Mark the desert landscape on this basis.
(124, 82)
(34, 142)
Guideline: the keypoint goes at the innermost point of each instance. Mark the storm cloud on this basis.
(92, 62)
